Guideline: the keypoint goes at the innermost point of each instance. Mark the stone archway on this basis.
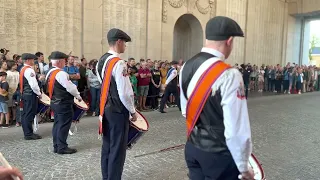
(187, 37)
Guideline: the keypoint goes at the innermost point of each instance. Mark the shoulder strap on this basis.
(170, 71)
(190, 67)
(21, 75)
(105, 88)
(51, 81)
(201, 92)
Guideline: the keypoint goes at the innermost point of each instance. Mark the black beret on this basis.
(221, 28)
(55, 55)
(116, 34)
(26, 56)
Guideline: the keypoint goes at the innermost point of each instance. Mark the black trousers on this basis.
(204, 165)
(30, 106)
(63, 114)
(114, 145)
(167, 92)
(154, 94)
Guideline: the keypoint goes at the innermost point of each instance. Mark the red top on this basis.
(143, 81)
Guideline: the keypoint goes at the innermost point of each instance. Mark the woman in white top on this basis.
(95, 87)
(13, 81)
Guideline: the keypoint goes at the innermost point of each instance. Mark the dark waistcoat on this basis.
(113, 100)
(60, 94)
(208, 133)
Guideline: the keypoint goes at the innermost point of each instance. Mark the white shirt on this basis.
(172, 75)
(235, 112)
(63, 78)
(41, 67)
(30, 75)
(124, 87)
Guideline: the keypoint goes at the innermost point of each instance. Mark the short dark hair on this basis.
(10, 64)
(38, 54)
(3, 74)
(112, 43)
(130, 59)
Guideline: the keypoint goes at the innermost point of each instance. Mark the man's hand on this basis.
(134, 117)
(42, 77)
(79, 98)
(7, 173)
(249, 175)
(40, 96)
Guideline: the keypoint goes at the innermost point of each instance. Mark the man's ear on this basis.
(229, 41)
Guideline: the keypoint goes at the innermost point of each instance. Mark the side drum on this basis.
(79, 108)
(137, 130)
(44, 104)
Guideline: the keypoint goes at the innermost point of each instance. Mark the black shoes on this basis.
(33, 137)
(65, 151)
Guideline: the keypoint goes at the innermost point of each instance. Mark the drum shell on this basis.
(43, 105)
(136, 133)
(78, 111)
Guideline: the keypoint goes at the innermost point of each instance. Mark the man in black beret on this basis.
(214, 104)
(171, 86)
(61, 92)
(30, 92)
(116, 104)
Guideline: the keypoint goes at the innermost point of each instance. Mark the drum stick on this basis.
(5, 163)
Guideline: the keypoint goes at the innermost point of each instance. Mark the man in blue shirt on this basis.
(72, 70)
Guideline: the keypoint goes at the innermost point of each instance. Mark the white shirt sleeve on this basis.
(183, 99)
(173, 74)
(30, 75)
(124, 87)
(236, 119)
(63, 78)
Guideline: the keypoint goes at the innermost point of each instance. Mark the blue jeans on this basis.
(95, 100)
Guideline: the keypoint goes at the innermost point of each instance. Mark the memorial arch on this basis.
(187, 37)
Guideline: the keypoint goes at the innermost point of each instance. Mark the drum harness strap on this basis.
(105, 89)
(201, 93)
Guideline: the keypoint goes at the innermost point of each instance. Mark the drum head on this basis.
(141, 123)
(256, 167)
(81, 104)
(45, 99)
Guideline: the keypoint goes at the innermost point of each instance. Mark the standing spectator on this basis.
(163, 73)
(299, 80)
(143, 85)
(134, 81)
(4, 88)
(3, 66)
(82, 82)
(40, 62)
(95, 88)
(155, 86)
(19, 63)
(132, 65)
(72, 70)
(261, 79)
(13, 81)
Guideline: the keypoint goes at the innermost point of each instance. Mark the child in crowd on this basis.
(4, 88)
(134, 81)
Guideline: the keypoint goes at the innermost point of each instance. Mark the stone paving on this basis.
(285, 131)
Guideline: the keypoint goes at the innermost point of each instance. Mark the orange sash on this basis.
(105, 88)
(201, 92)
(51, 81)
(21, 75)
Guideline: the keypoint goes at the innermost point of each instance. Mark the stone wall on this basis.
(40, 25)
(131, 17)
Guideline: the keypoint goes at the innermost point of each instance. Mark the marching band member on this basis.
(214, 104)
(171, 86)
(29, 90)
(61, 92)
(116, 105)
